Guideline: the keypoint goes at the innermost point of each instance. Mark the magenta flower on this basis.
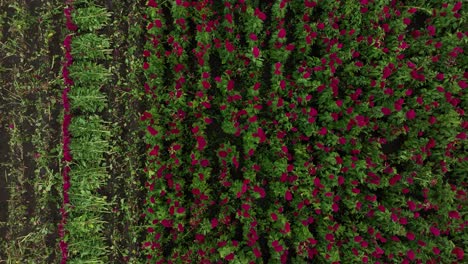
(204, 163)
(230, 257)
(222, 153)
(330, 237)
(458, 252)
(256, 52)
(461, 135)
(386, 111)
(152, 3)
(154, 151)
(214, 223)
(282, 33)
(431, 30)
(152, 131)
(167, 223)
(257, 252)
(230, 85)
(259, 14)
(229, 46)
(457, 7)
(411, 114)
(335, 207)
(323, 131)
(277, 246)
(200, 238)
(454, 215)
(396, 178)
(435, 231)
(201, 143)
(253, 36)
(406, 21)
(71, 26)
(462, 84)
(235, 162)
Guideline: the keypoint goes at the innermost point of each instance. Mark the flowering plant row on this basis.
(85, 135)
(299, 131)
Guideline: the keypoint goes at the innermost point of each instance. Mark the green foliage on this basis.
(90, 46)
(91, 18)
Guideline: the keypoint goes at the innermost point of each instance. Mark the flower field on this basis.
(233, 131)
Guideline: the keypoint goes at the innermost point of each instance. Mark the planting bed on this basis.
(233, 131)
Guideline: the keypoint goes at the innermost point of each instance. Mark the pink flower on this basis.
(273, 216)
(454, 214)
(200, 238)
(282, 33)
(458, 252)
(152, 131)
(386, 72)
(260, 14)
(204, 163)
(288, 195)
(230, 257)
(431, 29)
(158, 23)
(256, 52)
(154, 151)
(145, 116)
(229, 46)
(166, 223)
(462, 84)
(457, 7)
(257, 252)
(206, 84)
(410, 254)
(323, 131)
(406, 21)
(145, 65)
(392, 181)
(335, 207)
(71, 26)
(386, 111)
(435, 231)
(214, 223)
(67, 42)
(253, 36)
(222, 153)
(201, 143)
(277, 246)
(411, 114)
(235, 162)
(228, 17)
(261, 135)
(230, 86)
(260, 191)
(152, 3)
(462, 135)
(361, 120)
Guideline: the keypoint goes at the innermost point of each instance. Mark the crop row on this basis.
(85, 135)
